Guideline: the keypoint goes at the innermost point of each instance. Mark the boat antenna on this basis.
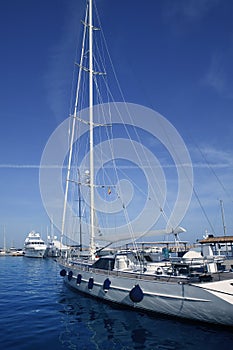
(223, 217)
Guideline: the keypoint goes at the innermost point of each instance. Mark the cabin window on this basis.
(104, 264)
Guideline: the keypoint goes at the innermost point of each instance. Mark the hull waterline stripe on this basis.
(167, 296)
(212, 290)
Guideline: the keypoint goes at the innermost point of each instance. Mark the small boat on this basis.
(34, 246)
(16, 252)
(54, 247)
(3, 251)
(194, 287)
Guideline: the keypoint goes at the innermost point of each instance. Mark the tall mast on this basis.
(92, 233)
(223, 217)
(73, 131)
(4, 238)
(80, 212)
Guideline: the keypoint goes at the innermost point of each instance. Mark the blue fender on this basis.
(70, 275)
(136, 294)
(90, 283)
(106, 285)
(79, 279)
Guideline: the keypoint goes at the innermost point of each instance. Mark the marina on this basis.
(40, 314)
(117, 148)
(196, 286)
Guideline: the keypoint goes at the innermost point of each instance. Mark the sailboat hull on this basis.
(124, 279)
(205, 302)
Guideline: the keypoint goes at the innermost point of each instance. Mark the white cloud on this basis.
(216, 75)
(58, 79)
(213, 173)
(207, 155)
(219, 73)
(190, 9)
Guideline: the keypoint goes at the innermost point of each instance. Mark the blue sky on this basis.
(174, 56)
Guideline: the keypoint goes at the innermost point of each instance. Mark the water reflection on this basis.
(39, 312)
(90, 324)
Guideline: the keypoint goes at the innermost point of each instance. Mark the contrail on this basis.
(28, 166)
(16, 166)
(38, 166)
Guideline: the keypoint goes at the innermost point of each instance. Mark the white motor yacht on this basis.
(34, 246)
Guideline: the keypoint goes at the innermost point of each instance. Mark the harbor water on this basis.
(39, 312)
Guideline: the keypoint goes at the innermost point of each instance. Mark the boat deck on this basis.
(197, 278)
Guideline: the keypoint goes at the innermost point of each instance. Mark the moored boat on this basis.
(54, 248)
(192, 287)
(175, 289)
(34, 246)
(16, 252)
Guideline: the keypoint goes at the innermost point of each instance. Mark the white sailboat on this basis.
(198, 292)
(3, 251)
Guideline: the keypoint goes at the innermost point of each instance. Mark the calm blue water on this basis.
(39, 312)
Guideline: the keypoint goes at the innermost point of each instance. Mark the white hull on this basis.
(210, 302)
(52, 253)
(34, 246)
(54, 249)
(34, 253)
